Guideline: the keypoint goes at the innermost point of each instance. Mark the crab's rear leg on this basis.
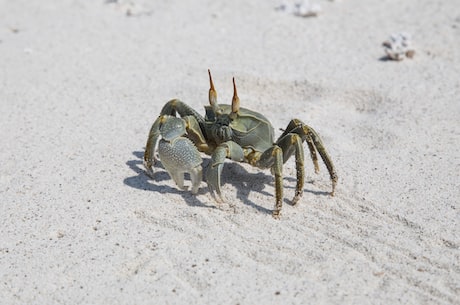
(225, 150)
(315, 143)
(292, 143)
(273, 158)
(325, 156)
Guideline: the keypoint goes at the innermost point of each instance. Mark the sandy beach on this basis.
(81, 83)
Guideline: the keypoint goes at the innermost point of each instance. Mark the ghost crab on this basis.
(233, 132)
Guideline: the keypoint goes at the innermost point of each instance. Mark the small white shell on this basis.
(399, 46)
(303, 8)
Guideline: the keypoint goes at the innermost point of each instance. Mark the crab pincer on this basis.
(178, 154)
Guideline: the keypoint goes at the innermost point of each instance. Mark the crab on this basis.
(229, 132)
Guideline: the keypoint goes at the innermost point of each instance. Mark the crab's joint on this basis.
(163, 119)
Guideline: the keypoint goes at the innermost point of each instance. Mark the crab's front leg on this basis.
(178, 154)
(225, 150)
(152, 141)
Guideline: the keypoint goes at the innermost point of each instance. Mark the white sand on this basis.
(81, 83)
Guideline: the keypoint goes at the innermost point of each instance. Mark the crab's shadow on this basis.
(235, 174)
(144, 182)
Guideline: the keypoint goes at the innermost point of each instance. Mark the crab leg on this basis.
(273, 158)
(291, 143)
(296, 126)
(314, 143)
(225, 150)
(182, 108)
(325, 156)
(152, 141)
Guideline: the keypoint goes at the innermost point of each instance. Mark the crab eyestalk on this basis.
(235, 102)
(212, 94)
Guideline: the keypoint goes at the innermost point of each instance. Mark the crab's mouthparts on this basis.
(222, 133)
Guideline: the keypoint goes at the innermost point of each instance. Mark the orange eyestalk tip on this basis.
(212, 92)
(210, 79)
(236, 99)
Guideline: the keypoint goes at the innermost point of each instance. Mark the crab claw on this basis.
(179, 155)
